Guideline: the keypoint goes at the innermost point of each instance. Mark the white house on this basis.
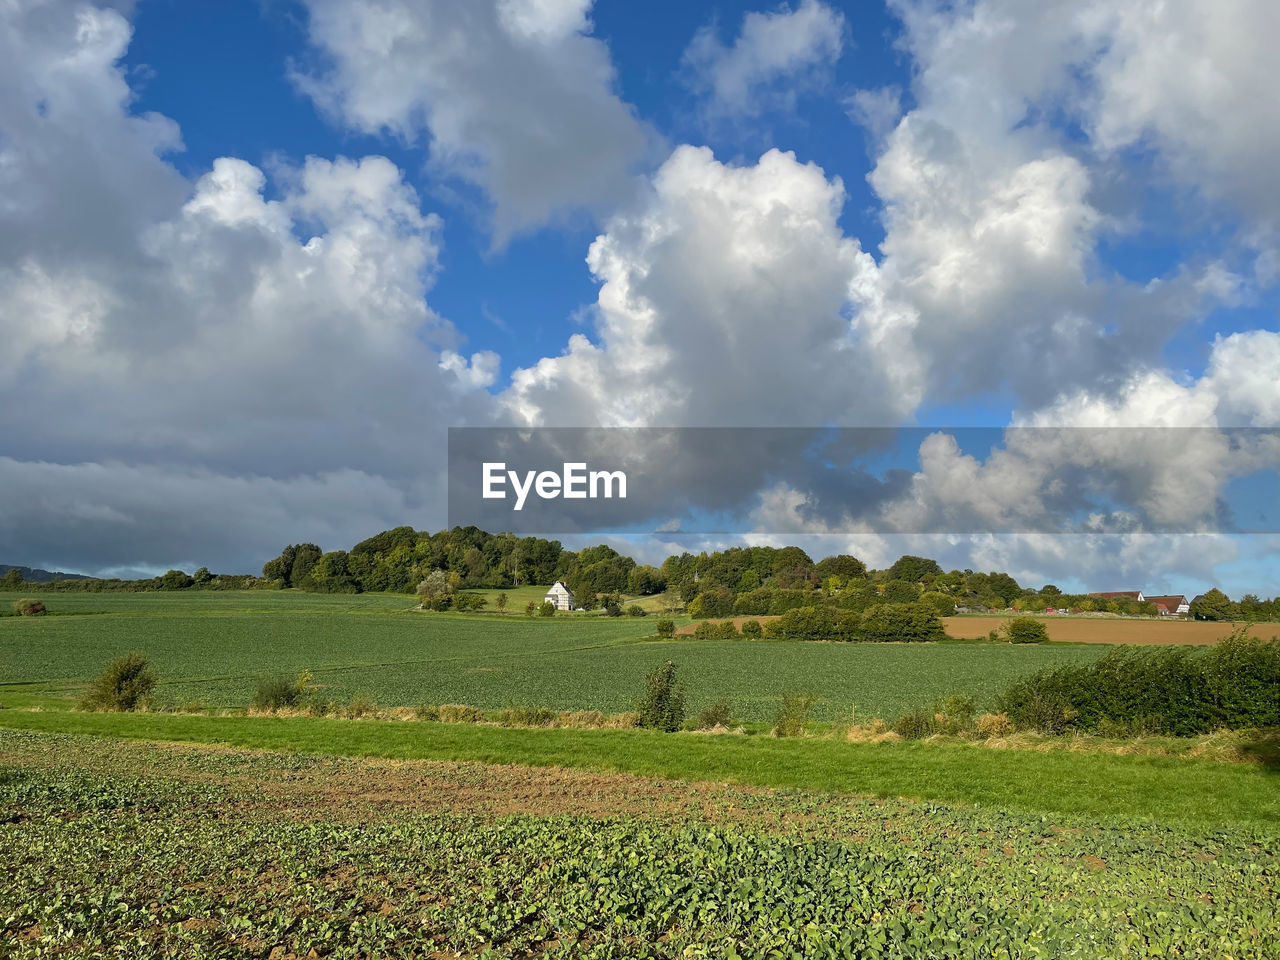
(560, 596)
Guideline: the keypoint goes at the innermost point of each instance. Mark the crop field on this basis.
(1143, 632)
(197, 852)
(213, 648)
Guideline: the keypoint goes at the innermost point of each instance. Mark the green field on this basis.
(138, 850)
(213, 648)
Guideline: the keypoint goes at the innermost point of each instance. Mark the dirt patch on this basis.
(1066, 629)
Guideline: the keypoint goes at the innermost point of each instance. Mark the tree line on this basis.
(739, 581)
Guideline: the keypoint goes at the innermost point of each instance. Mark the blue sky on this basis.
(258, 254)
(524, 300)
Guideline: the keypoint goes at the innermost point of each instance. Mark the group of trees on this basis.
(741, 581)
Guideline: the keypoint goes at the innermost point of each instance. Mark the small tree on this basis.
(666, 629)
(547, 609)
(124, 685)
(434, 587)
(635, 610)
(612, 605)
(531, 608)
(752, 630)
(500, 601)
(13, 579)
(726, 630)
(662, 706)
(1026, 630)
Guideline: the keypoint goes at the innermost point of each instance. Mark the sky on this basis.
(257, 256)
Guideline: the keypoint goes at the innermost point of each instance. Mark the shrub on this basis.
(901, 622)
(546, 609)
(666, 628)
(28, 607)
(955, 712)
(716, 715)
(994, 725)
(752, 630)
(704, 631)
(635, 610)
(276, 692)
(466, 602)
(1166, 690)
(916, 724)
(816, 623)
(360, 705)
(1026, 630)
(124, 685)
(662, 706)
(531, 608)
(793, 714)
(427, 712)
(612, 605)
(459, 713)
(726, 630)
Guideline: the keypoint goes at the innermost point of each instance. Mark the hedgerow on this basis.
(1235, 684)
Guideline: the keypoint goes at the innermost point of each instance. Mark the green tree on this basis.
(1214, 605)
(662, 706)
(914, 569)
(500, 601)
(1025, 630)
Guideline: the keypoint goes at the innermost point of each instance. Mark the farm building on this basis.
(560, 595)
(1172, 606)
(1121, 595)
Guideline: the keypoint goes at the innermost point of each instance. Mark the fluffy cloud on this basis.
(196, 358)
(774, 55)
(515, 96)
(727, 298)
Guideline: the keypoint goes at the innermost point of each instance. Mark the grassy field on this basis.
(1155, 788)
(142, 850)
(213, 648)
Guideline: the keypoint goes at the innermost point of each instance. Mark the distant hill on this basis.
(36, 575)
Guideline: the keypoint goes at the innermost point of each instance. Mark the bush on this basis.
(815, 623)
(916, 724)
(1026, 630)
(752, 630)
(726, 630)
(1167, 690)
(793, 714)
(662, 706)
(716, 715)
(546, 609)
(28, 607)
(361, 705)
(465, 602)
(635, 610)
(124, 685)
(955, 712)
(666, 628)
(276, 692)
(427, 712)
(901, 622)
(994, 725)
(704, 631)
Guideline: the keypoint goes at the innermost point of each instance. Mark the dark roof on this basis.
(1172, 602)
